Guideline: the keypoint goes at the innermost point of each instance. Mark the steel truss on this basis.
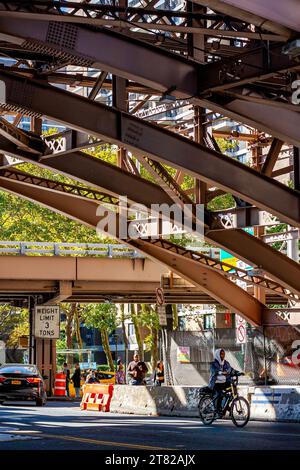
(47, 183)
(104, 176)
(211, 282)
(213, 263)
(142, 137)
(175, 75)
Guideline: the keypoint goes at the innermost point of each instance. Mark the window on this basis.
(208, 322)
(131, 331)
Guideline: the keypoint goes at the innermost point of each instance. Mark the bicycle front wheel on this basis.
(206, 410)
(240, 411)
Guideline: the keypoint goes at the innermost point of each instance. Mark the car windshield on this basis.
(19, 369)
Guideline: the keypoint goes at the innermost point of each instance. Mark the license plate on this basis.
(16, 382)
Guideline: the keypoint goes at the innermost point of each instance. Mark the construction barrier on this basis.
(60, 385)
(268, 403)
(97, 397)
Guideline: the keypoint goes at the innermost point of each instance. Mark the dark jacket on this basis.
(76, 378)
(215, 368)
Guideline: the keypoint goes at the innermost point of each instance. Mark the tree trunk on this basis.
(135, 322)
(125, 337)
(154, 350)
(175, 316)
(106, 348)
(70, 311)
(77, 330)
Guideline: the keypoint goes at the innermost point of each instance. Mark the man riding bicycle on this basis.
(220, 377)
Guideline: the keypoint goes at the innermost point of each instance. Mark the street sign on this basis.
(47, 322)
(240, 330)
(160, 297)
(281, 236)
(162, 315)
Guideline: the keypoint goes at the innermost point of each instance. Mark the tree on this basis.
(14, 323)
(136, 323)
(149, 318)
(104, 318)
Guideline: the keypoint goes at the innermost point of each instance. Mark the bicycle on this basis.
(238, 407)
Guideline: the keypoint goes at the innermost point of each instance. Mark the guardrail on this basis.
(65, 249)
(107, 250)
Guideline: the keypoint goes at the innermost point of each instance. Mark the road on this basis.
(63, 426)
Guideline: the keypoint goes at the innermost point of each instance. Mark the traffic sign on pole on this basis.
(162, 315)
(160, 296)
(240, 330)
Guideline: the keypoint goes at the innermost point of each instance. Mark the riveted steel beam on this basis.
(211, 282)
(104, 176)
(147, 139)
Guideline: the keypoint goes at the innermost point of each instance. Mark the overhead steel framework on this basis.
(121, 128)
(109, 178)
(225, 58)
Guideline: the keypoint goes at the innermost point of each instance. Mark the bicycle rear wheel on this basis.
(206, 410)
(240, 412)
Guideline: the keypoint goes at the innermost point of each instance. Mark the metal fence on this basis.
(270, 356)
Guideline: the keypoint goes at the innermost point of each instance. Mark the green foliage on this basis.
(100, 316)
(14, 323)
(223, 202)
(227, 144)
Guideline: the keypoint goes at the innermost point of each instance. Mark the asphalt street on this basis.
(63, 426)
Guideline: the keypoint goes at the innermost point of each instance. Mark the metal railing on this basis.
(107, 250)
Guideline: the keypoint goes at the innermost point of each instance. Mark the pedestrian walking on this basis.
(137, 370)
(120, 374)
(159, 374)
(66, 371)
(76, 379)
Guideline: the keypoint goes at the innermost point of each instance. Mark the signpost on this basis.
(281, 236)
(47, 322)
(161, 308)
(240, 330)
(160, 296)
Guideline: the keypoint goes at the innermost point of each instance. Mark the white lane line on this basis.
(268, 433)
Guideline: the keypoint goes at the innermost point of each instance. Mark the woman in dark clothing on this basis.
(159, 375)
(76, 378)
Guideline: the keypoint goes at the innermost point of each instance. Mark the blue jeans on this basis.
(136, 382)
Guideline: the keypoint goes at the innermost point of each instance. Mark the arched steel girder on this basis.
(103, 176)
(211, 282)
(212, 263)
(159, 69)
(147, 139)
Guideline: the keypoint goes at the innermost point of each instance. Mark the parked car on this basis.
(22, 382)
(106, 377)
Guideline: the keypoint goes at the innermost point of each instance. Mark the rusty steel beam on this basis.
(271, 157)
(26, 178)
(108, 177)
(120, 18)
(240, 243)
(52, 185)
(136, 60)
(96, 173)
(213, 283)
(247, 16)
(161, 145)
(280, 123)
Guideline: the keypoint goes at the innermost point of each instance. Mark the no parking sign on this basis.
(240, 330)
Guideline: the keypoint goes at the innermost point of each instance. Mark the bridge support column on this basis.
(42, 352)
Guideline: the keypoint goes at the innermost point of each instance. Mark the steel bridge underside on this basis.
(137, 61)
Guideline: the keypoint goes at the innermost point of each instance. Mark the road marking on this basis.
(95, 441)
(269, 433)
